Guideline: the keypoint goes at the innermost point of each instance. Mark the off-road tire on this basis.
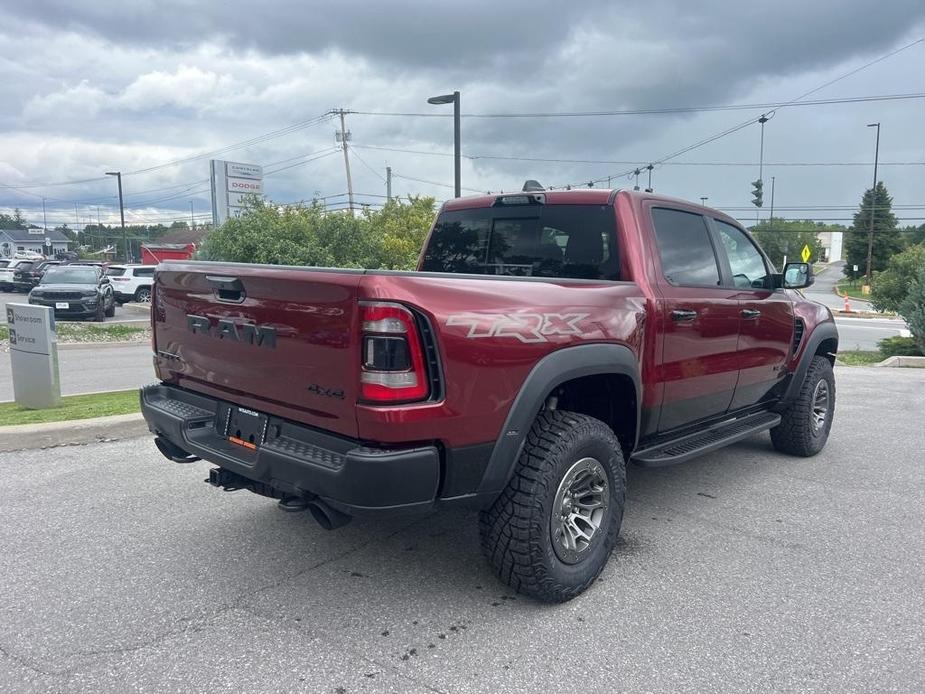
(515, 531)
(795, 434)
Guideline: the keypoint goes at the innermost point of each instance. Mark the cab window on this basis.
(749, 270)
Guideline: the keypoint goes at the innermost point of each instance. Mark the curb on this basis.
(21, 437)
(907, 362)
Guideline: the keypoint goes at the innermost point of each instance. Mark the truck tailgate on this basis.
(278, 339)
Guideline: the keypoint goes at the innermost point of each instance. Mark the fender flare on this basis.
(551, 371)
(823, 331)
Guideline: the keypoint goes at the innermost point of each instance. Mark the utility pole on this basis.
(771, 218)
(388, 183)
(192, 224)
(703, 200)
(344, 136)
(118, 175)
(764, 119)
(873, 204)
(44, 218)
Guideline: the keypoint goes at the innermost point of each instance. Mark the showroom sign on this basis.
(34, 355)
(233, 184)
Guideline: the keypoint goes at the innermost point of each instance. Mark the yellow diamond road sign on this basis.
(807, 251)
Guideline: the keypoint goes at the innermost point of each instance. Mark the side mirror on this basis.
(798, 276)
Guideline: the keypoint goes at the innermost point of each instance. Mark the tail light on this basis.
(153, 308)
(392, 365)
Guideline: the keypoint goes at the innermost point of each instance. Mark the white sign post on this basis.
(34, 356)
(232, 185)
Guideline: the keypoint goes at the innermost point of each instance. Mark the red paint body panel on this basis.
(487, 332)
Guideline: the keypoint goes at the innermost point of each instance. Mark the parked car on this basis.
(546, 339)
(75, 292)
(29, 274)
(8, 273)
(131, 282)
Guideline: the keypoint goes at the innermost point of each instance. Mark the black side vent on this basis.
(799, 328)
(431, 357)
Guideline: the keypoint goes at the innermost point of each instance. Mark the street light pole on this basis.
(873, 203)
(457, 156)
(118, 175)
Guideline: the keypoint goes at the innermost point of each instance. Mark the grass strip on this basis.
(73, 407)
(860, 357)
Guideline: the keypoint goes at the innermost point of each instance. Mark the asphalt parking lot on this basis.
(122, 315)
(742, 571)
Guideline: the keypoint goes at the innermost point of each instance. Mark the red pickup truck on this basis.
(546, 339)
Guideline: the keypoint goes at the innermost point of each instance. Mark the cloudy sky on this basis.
(136, 85)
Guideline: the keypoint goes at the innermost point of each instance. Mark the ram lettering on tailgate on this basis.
(526, 327)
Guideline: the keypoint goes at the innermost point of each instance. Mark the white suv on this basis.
(131, 282)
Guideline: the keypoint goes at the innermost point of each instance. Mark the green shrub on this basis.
(899, 347)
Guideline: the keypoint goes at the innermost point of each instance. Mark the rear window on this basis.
(4, 263)
(576, 241)
(144, 272)
(23, 267)
(115, 271)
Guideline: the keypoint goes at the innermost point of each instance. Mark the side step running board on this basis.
(683, 449)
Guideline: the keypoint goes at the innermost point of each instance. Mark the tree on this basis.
(14, 221)
(913, 308)
(887, 237)
(310, 236)
(890, 287)
(787, 237)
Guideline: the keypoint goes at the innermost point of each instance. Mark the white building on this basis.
(48, 242)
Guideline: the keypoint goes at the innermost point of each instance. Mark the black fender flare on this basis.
(823, 331)
(553, 370)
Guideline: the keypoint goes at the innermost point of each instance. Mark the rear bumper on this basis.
(299, 460)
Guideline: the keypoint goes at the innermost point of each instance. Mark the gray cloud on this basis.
(131, 84)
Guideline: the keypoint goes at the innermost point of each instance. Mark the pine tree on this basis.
(887, 237)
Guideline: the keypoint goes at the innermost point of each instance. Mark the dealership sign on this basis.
(233, 184)
(33, 355)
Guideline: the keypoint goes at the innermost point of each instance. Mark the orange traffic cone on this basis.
(847, 305)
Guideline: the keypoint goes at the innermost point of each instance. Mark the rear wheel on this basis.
(805, 424)
(554, 526)
(143, 295)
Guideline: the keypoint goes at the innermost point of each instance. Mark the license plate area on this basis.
(245, 427)
(62, 304)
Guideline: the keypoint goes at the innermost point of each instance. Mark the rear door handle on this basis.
(750, 313)
(683, 315)
(229, 289)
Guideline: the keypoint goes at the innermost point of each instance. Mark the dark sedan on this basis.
(75, 291)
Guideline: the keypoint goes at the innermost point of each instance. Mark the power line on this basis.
(433, 183)
(668, 110)
(474, 157)
(751, 121)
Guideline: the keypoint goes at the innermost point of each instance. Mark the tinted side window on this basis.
(144, 272)
(748, 268)
(684, 247)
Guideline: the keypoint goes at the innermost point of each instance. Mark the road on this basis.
(823, 290)
(744, 571)
(865, 333)
(86, 369)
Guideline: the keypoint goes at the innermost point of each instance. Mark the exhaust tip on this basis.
(174, 452)
(327, 517)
